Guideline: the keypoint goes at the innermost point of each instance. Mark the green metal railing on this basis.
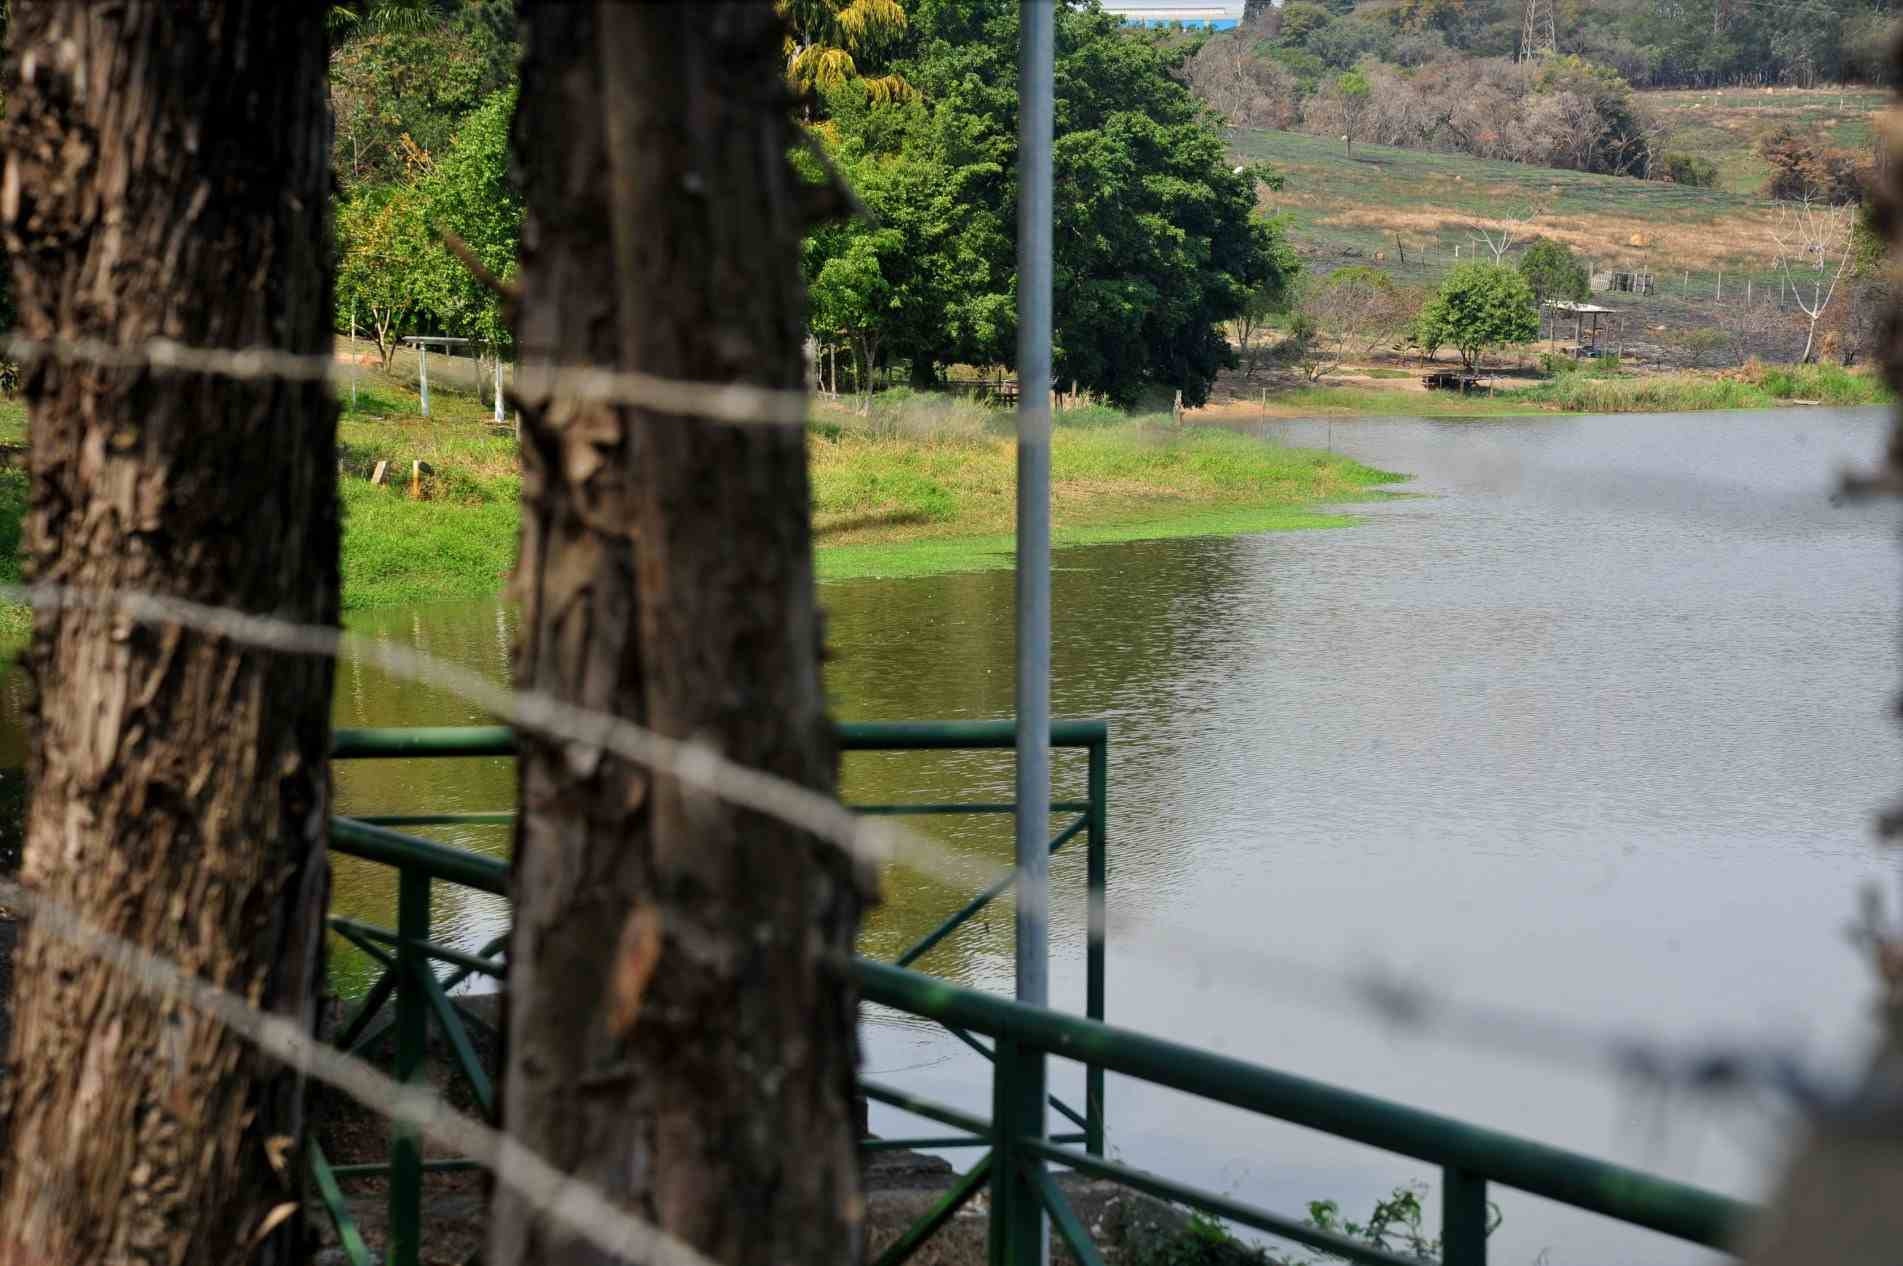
(1470, 1158)
(1015, 1164)
(408, 996)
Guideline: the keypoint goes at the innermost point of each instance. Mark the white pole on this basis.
(498, 354)
(422, 370)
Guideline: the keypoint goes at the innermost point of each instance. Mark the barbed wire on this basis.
(733, 403)
(572, 1202)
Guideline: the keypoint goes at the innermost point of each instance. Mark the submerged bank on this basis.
(883, 505)
(1586, 387)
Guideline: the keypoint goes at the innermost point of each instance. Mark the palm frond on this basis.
(889, 88)
(866, 21)
(817, 66)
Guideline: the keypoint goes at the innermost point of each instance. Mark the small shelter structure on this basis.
(1588, 333)
(423, 342)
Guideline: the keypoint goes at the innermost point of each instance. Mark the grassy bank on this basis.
(1587, 389)
(1750, 388)
(884, 504)
(889, 503)
(460, 541)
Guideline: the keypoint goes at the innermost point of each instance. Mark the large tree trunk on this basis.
(677, 1035)
(168, 174)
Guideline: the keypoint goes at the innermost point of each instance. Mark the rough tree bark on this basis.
(168, 174)
(676, 1035)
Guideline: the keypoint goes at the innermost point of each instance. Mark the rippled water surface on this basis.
(1592, 731)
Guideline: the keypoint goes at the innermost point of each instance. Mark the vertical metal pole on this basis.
(498, 354)
(1037, 51)
(1035, 19)
(412, 1021)
(422, 369)
(1019, 1234)
(1463, 1218)
(1099, 882)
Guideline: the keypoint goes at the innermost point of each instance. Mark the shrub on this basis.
(1688, 169)
(1550, 268)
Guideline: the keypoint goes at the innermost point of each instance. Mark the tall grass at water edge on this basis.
(1752, 388)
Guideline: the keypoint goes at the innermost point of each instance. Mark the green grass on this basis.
(1683, 393)
(1725, 125)
(992, 552)
(16, 619)
(1354, 204)
(1354, 401)
(886, 505)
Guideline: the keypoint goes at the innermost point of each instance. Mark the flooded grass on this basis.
(885, 506)
(1685, 393)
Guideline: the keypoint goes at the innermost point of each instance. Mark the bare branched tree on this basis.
(1496, 236)
(1814, 243)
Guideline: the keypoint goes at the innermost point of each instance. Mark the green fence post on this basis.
(1017, 1216)
(1098, 917)
(412, 1036)
(1463, 1218)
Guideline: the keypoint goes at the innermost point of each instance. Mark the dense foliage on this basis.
(1558, 112)
(1804, 167)
(1552, 272)
(1651, 43)
(394, 273)
(1157, 243)
(1477, 307)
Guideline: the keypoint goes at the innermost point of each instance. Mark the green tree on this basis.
(1551, 270)
(469, 194)
(833, 42)
(1157, 241)
(1477, 307)
(384, 254)
(1268, 297)
(399, 94)
(934, 176)
(850, 298)
(1353, 96)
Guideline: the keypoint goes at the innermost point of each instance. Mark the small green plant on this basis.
(1393, 1225)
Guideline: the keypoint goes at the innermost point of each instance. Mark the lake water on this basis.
(1590, 733)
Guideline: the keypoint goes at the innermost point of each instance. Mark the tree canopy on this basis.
(1552, 271)
(395, 273)
(1157, 241)
(1479, 306)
